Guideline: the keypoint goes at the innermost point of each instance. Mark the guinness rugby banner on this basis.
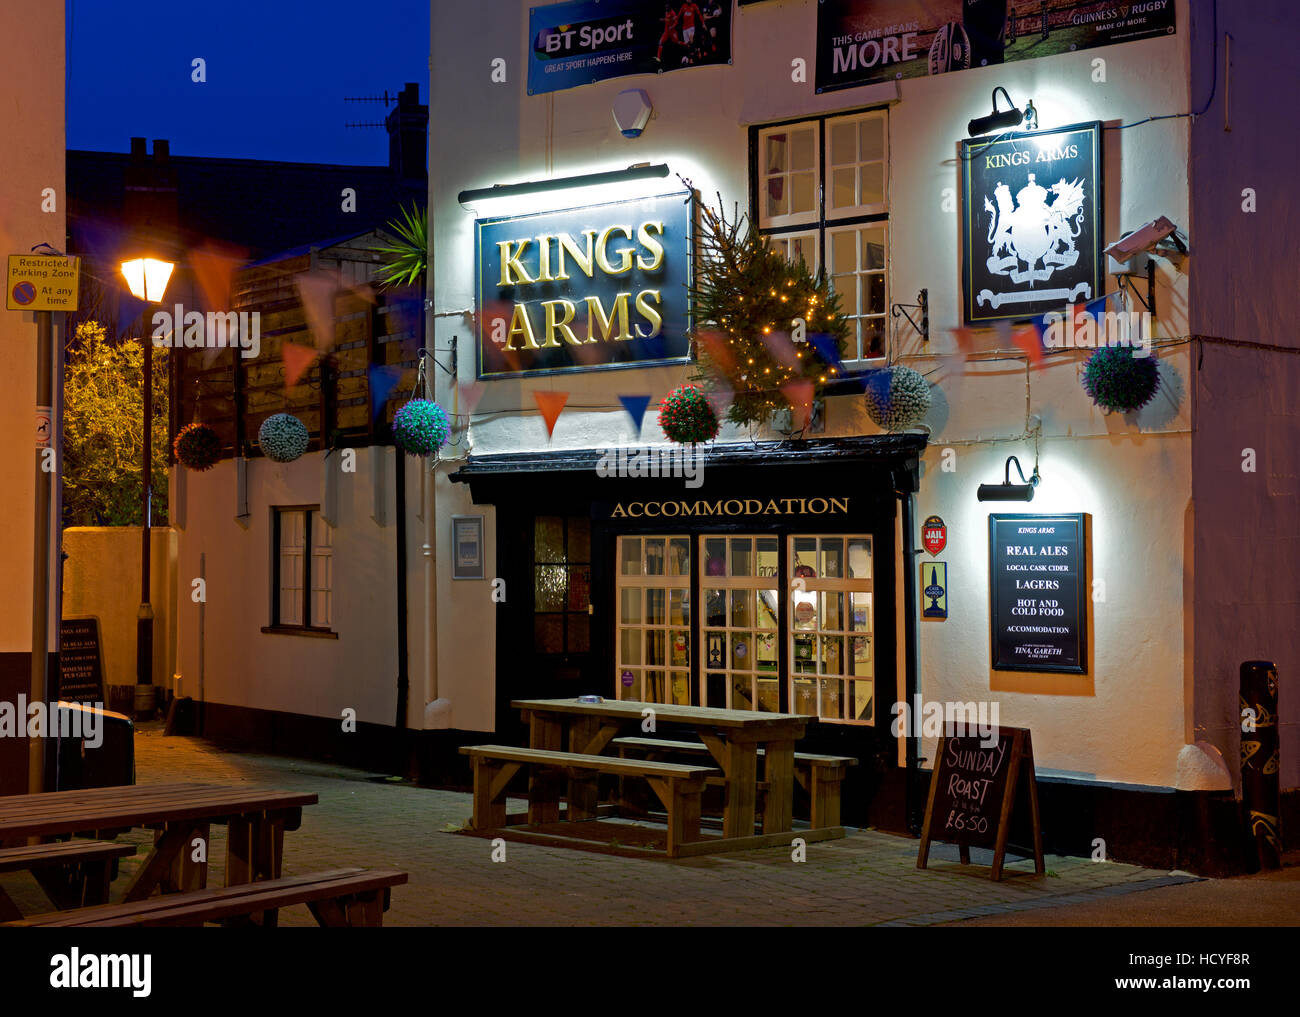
(590, 40)
(586, 288)
(864, 41)
(1031, 227)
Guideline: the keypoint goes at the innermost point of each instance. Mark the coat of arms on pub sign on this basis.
(1032, 230)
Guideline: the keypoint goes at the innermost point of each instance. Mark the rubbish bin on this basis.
(96, 747)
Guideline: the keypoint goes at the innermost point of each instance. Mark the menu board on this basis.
(975, 787)
(1037, 600)
(81, 663)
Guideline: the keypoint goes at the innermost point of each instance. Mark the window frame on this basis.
(823, 221)
(667, 581)
(305, 627)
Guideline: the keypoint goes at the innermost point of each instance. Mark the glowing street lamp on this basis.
(147, 280)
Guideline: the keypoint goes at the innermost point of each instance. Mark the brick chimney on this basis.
(408, 135)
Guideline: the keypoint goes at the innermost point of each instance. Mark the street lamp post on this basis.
(147, 279)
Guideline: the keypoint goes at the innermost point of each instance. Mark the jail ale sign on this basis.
(585, 288)
(1032, 229)
(1037, 592)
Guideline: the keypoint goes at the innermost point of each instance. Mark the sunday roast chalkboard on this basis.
(81, 661)
(973, 790)
(1037, 601)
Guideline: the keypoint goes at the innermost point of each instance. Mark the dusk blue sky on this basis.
(277, 74)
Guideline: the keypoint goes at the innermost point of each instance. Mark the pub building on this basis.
(1085, 590)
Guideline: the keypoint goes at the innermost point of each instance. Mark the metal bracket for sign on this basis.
(1150, 302)
(923, 305)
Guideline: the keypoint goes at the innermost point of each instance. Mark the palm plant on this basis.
(408, 258)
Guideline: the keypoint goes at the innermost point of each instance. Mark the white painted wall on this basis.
(1133, 477)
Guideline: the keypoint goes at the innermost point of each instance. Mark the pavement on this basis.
(867, 878)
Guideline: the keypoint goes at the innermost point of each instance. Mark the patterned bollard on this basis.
(1260, 761)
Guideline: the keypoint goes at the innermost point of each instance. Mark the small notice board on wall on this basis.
(81, 661)
(974, 792)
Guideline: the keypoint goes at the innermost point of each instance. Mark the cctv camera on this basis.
(1143, 239)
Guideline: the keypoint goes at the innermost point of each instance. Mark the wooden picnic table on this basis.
(256, 819)
(733, 738)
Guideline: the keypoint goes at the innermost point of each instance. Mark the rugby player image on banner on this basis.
(860, 42)
(583, 42)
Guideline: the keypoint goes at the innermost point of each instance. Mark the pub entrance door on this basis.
(544, 633)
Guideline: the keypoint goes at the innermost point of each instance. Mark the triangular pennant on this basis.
(1098, 306)
(965, 336)
(635, 406)
(316, 291)
(827, 347)
(470, 392)
(1029, 339)
(716, 346)
(799, 394)
(781, 348)
(382, 382)
(550, 404)
(213, 270)
(296, 361)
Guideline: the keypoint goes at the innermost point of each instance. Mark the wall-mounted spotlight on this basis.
(1007, 491)
(997, 121)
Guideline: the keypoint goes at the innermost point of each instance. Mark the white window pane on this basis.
(778, 198)
(874, 295)
(843, 193)
(844, 251)
(802, 192)
(776, 153)
(807, 251)
(847, 288)
(873, 249)
(844, 143)
(801, 154)
(872, 133)
(873, 183)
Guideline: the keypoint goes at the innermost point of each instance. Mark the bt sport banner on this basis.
(589, 40)
(864, 41)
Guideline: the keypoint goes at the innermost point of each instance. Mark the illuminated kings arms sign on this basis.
(585, 288)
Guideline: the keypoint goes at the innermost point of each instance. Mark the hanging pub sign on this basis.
(1032, 230)
(589, 40)
(1037, 593)
(864, 41)
(584, 288)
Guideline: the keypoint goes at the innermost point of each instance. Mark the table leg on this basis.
(778, 813)
(741, 767)
(173, 839)
(583, 791)
(545, 731)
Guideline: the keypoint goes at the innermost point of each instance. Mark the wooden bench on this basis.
(677, 786)
(72, 873)
(339, 898)
(819, 775)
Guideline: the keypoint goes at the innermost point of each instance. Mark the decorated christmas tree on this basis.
(768, 331)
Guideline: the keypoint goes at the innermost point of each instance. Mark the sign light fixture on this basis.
(1007, 491)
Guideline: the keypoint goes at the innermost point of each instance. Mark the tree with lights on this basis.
(769, 330)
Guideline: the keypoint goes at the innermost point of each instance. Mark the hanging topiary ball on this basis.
(283, 437)
(897, 397)
(421, 427)
(686, 416)
(1115, 379)
(197, 446)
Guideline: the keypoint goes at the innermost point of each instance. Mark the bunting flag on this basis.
(718, 349)
(965, 336)
(636, 407)
(781, 348)
(799, 393)
(213, 270)
(1029, 339)
(470, 392)
(316, 291)
(827, 348)
(296, 361)
(382, 382)
(550, 404)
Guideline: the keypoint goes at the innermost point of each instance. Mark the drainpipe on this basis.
(437, 712)
(403, 662)
(911, 657)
